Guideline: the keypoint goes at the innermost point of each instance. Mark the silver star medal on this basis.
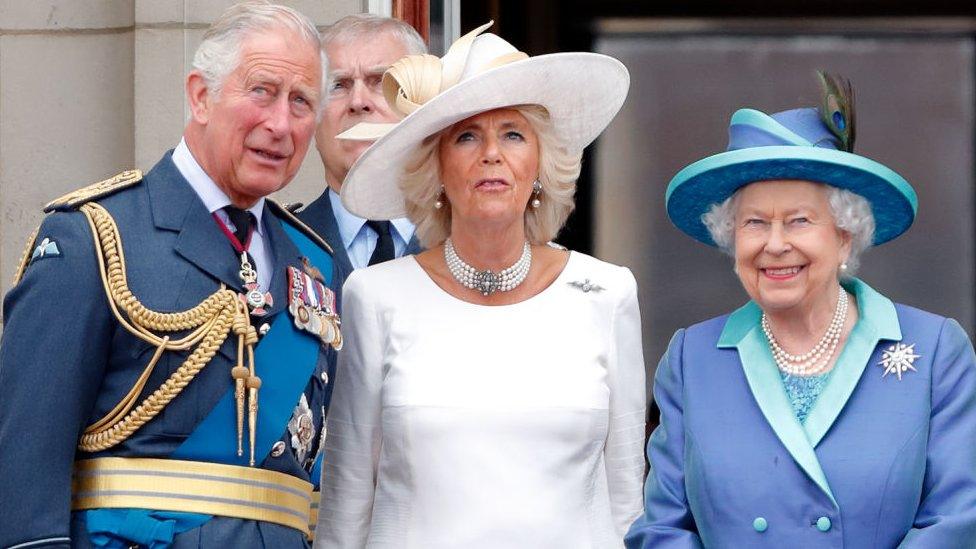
(586, 286)
(898, 359)
(302, 429)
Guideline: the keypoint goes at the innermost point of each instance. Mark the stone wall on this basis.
(89, 88)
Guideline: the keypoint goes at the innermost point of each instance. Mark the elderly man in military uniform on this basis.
(169, 342)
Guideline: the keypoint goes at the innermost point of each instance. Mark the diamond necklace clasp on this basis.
(485, 281)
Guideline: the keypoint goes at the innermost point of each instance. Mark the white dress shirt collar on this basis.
(214, 199)
(350, 224)
(212, 196)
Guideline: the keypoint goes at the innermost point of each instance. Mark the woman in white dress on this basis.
(491, 390)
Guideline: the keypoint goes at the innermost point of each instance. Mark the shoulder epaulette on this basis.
(291, 219)
(101, 189)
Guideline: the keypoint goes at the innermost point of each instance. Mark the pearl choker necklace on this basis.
(815, 361)
(488, 282)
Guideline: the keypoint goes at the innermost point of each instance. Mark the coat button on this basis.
(760, 524)
(823, 524)
(325, 377)
(278, 449)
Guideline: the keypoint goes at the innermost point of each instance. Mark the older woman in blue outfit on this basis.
(820, 414)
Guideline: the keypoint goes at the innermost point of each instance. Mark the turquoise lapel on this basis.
(877, 320)
(742, 331)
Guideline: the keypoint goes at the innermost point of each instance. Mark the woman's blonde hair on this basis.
(558, 171)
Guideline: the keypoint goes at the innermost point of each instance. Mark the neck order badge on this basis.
(257, 301)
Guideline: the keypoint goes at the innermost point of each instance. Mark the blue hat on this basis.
(793, 144)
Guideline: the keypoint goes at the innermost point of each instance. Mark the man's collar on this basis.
(350, 224)
(214, 199)
(403, 227)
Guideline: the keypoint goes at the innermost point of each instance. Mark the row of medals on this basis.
(321, 321)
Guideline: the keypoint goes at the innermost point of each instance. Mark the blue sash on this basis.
(318, 257)
(284, 360)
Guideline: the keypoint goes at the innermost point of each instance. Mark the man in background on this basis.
(359, 49)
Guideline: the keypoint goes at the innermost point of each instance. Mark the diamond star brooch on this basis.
(898, 359)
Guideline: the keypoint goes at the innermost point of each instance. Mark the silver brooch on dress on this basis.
(302, 429)
(898, 359)
(586, 286)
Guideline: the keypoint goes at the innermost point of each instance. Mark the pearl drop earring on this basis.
(438, 204)
(536, 192)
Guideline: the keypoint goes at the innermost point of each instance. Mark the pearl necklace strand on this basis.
(813, 362)
(488, 282)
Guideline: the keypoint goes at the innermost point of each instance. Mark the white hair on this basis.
(220, 51)
(354, 27)
(851, 213)
(558, 171)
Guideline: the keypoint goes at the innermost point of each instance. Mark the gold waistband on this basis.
(313, 515)
(192, 487)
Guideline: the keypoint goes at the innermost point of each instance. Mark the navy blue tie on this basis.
(384, 245)
(244, 222)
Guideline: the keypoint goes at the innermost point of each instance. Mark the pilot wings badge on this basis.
(586, 286)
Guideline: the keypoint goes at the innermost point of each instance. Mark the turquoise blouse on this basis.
(803, 392)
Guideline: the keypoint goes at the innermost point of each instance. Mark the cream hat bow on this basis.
(416, 79)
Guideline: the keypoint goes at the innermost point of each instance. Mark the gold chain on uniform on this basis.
(210, 323)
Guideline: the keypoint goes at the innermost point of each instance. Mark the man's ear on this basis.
(198, 94)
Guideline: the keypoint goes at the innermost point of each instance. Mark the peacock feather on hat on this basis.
(837, 108)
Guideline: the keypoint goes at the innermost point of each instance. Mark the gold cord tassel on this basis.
(209, 324)
(240, 375)
(246, 338)
(253, 384)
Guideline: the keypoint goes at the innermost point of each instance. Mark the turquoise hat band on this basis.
(711, 180)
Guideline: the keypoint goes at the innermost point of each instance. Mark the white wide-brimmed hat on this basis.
(480, 72)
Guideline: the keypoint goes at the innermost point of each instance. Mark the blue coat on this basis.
(879, 463)
(65, 361)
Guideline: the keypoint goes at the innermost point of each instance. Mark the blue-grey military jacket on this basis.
(65, 361)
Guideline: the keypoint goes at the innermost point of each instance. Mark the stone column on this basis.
(66, 114)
